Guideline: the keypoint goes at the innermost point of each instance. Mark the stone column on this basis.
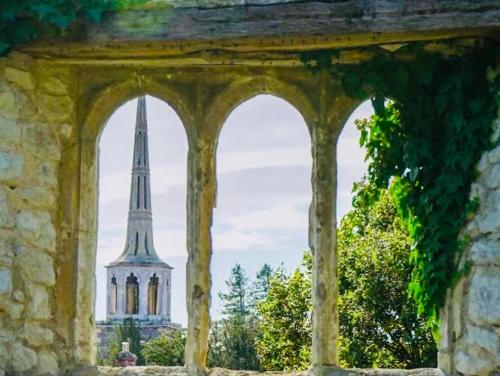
(322, 230)
(323, 245)
(109, 293)
(200, 203)
(121, 280)
(143, 293)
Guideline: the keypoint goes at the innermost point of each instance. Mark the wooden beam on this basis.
(172, 31)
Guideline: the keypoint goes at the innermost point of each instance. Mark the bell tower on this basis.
(139, 282)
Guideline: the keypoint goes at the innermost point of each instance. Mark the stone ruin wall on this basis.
(35, 116)
(470, 331)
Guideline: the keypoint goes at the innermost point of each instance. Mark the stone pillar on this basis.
(200, 203)
(323, 245)
(143, 279)
(121, 295)
(322, 229)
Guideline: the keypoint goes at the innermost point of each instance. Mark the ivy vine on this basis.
(22, 21)
(426, 140)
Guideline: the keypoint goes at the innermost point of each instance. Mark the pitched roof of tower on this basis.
(139, 247)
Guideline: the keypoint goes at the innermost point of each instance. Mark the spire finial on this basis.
(141, 111)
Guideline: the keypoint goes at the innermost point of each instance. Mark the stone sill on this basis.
(181, 371)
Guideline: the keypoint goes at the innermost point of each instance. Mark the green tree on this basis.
(232, 343)
(284, 341)
(260, 287)
(235, 300)
(128, 331)
(232, 339)
(166, 350)
(379, 324)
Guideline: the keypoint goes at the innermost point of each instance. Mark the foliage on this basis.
(429, 142)
(284, 342)
(232, 339)
(22, 21)
(260, 287)
(232, 343)
(128, 331)
(379, 325)
(166, 350)
(235, 300)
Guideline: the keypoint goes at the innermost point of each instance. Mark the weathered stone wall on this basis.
(35, 118)
(470, 332)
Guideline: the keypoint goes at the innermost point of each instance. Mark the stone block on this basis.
(47, 174)
(65, 131)
(39, 140)
(8, 105)
(11, 167)
(18, 296)
(57, 109)
(10, 133)
(484, 297)
(47, 364)
(6, 217)
(472, 365)
(37, 336)
(36, 227)
(23, 358)
(37, 197)
(21, 78)
(494, 155)
(36, 266)
(485, 251)
(53, 85)
(483, 164)
(6, 254)
(5, 282)
(480, 340)
(16, 311)
(489, 218)
(493, 179)
(38, 306)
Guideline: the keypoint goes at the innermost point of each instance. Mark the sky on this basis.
(264, 191)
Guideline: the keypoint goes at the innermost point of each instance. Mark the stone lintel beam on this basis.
(201, 189)
(322, 227)
(274, 27)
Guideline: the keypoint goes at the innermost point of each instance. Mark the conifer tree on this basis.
(260, 287)
(235, 301)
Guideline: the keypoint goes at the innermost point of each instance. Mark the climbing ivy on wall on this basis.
(22, 21)
(427, 139)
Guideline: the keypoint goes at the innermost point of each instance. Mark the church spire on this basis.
(139, 248)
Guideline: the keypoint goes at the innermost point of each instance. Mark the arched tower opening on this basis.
(153, 295)
(132, 295)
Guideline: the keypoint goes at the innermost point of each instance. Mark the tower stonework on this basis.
(138, 283)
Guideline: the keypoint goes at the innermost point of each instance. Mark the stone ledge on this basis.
(181, 371)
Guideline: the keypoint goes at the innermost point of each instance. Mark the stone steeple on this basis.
(139, 247)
